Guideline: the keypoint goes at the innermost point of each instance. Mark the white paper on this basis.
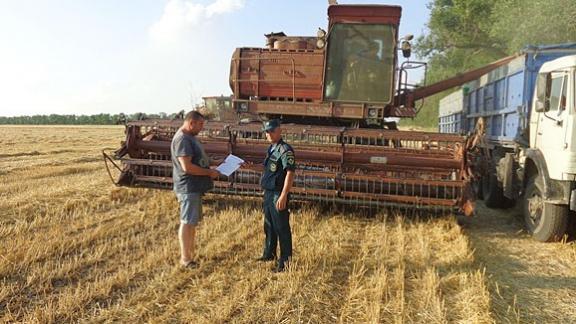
(230, 165)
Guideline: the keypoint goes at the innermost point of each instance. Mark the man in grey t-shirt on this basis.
(192, 177)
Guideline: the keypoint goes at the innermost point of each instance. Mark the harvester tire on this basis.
(492, 192)
(546, 222)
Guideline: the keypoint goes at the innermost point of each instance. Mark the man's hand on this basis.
(281, 202)
(195, 170)
(283, 199)
(213, 173)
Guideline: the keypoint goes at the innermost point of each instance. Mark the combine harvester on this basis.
(334, 94)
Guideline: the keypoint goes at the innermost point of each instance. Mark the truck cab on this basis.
(553, 118)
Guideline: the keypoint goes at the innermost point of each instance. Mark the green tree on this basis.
(460, 37)
(466, 34)
(54, 119)
(523, 22)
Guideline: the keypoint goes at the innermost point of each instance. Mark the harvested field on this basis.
(75, 248)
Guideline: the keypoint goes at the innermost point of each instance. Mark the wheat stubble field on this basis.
(74, 248)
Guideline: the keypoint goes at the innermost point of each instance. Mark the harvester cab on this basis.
(361, 55)
(345, 76)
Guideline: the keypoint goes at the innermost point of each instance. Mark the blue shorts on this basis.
(190, 207)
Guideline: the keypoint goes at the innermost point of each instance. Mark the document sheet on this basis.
(230, 165)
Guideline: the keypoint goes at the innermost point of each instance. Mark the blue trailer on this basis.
(504, 96)
(450, 113)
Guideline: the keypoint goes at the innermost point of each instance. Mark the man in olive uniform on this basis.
(276, 181)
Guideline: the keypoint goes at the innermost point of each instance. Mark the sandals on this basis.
(189, 265)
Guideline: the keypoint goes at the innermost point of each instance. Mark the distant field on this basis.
(75, 248)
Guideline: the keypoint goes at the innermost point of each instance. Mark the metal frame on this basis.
(361, 167)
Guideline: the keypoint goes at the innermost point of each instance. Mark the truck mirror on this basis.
(543, 86)
(540, 107)
(406, 49)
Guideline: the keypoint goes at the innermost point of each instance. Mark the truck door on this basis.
(552, 124)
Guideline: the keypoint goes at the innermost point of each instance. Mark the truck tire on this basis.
(477, 187)
(546, 222)
(492, 192)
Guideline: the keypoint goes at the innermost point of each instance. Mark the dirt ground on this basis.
(75, 248)
(529, 281)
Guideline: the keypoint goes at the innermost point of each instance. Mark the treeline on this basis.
(99, 119)
(466, 34)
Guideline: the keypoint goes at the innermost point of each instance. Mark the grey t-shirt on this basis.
(188, 145)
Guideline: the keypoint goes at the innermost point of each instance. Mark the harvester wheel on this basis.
(492, 192)
(546, 222)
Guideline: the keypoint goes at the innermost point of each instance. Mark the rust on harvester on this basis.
(335, 94)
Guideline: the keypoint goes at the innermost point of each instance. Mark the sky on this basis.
(110, 56)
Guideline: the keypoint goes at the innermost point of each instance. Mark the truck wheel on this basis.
(492, 193)
(477, 187)
(546, 222)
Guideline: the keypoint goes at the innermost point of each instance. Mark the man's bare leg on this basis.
(187, 236)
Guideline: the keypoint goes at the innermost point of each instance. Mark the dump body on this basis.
(503, 97)
(450, 113)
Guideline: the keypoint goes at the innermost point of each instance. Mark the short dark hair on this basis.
(194, 115)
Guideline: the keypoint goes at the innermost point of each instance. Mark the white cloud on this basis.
(223, 6)
(180, 16)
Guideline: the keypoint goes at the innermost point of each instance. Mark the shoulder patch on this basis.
(290, 159)
(286, 149)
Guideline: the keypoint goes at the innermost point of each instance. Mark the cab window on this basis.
(558, 92)
(360, 63)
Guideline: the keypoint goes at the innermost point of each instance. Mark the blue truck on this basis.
(522, 118)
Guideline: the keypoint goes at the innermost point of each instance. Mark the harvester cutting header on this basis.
(333, 93)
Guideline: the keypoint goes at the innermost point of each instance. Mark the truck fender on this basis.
(535, 158)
